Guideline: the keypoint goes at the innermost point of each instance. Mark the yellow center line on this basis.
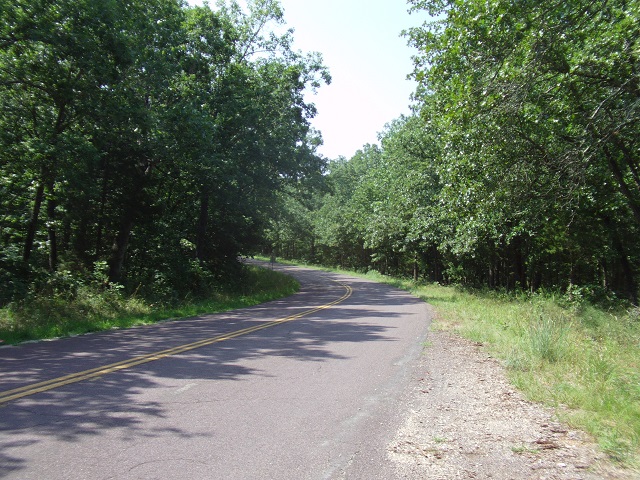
(44, 386)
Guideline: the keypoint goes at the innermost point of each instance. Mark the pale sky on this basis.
(368, 60)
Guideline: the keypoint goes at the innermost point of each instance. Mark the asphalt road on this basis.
(307, 387)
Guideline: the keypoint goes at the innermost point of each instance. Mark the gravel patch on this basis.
(467, 421)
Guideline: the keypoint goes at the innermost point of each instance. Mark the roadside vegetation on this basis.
(559, 350)
(90, 308)
(582, 359)
(144, 142)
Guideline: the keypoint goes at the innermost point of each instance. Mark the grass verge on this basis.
(90, 311)
(579, 359)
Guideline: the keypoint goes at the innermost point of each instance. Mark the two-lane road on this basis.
(307, 387)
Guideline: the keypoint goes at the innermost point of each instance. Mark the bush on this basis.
(92, 307)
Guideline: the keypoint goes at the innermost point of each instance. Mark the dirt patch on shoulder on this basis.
(468, 422)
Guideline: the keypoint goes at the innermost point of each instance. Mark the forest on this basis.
(520, 168)
(142, 142)
(146, 144)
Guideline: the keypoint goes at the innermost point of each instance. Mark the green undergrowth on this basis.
(581, 359)
(90, 310)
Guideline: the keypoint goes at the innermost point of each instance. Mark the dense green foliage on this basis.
(144, 141)
(521, 166)
(147, 143)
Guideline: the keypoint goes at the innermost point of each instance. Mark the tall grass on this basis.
(580, 359)
(91, 310)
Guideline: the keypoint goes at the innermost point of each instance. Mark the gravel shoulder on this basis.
(467, 421)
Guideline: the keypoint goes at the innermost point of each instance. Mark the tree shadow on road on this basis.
(114, 402)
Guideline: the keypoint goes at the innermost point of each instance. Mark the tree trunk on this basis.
(51, 228)
(53, 238)
(81, 243)
(630, 286)
(520, 268)
(203, 219)
(132, 205)
(119, 248)
(313, 249)
(103, 206)
(33, 223)
(66, 235)
(622, 184)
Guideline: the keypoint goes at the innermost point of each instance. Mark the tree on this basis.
(155, 136)
(54, 57)
(538, 108)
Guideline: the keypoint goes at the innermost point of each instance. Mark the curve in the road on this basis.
(32, 389)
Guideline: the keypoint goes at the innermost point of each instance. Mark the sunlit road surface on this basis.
(307, 387)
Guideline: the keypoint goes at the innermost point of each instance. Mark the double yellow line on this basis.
(16, 393)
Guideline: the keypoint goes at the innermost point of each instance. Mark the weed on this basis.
(548, 339)
(524, 449)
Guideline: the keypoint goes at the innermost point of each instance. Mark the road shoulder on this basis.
(467, 421)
